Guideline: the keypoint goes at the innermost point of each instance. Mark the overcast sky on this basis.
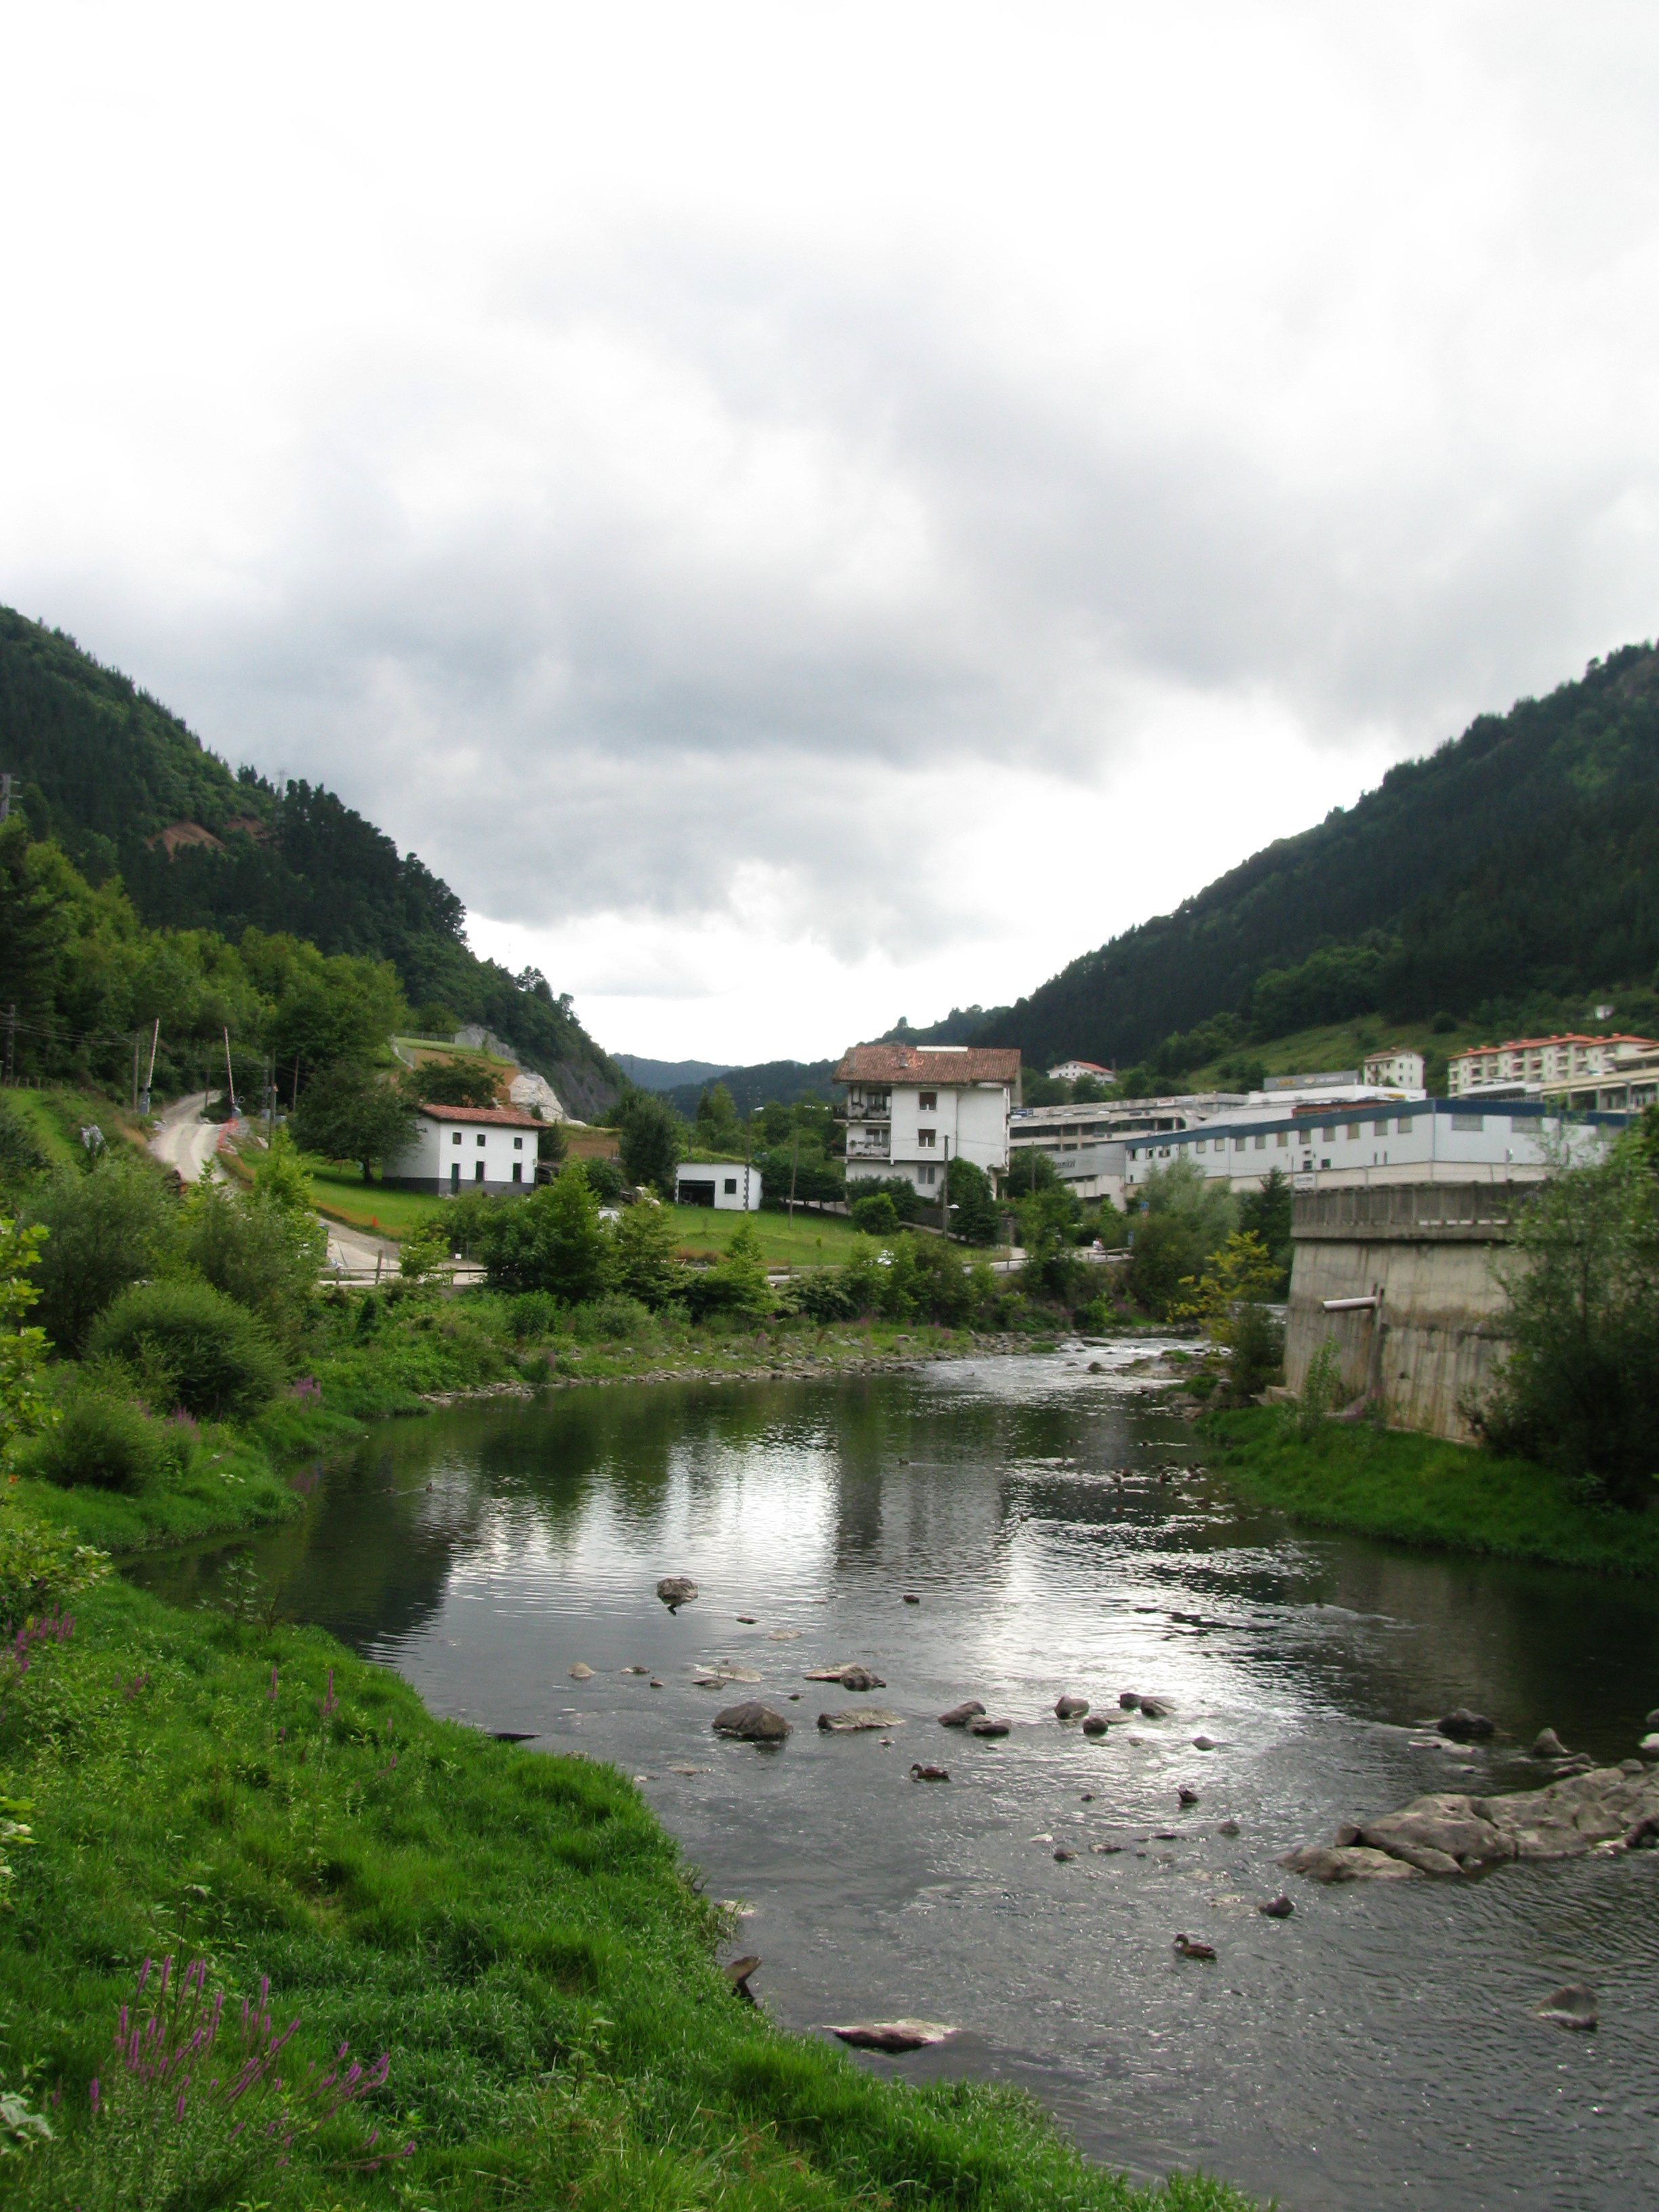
(808, 514)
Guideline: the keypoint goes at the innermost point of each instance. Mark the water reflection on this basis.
(1376, 2046)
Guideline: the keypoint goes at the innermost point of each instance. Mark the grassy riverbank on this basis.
(513, 1927)
(1422, 1490)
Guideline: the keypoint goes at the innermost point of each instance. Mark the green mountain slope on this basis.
(123, 787)
(1514, 870)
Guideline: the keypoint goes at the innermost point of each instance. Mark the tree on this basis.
(23, 1406)
(1580, 1390)
(647, 1255)
(717, 1128)
(350, 1113)
(454, 1083)
(552, 1241)
(1266, 1215)
(280, 1178)
(263, 1254)
(874, 1215)
(1184, 1218)
(972, 1204)
(116, 1226)
(1029, 1170)
(737, 1283)
(650, 1132)
(1240, 1274)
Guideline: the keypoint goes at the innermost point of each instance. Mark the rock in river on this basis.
(1154, 1709)
(1070, 1708)
(854, 1717)
(891, 2035)
(851, 1676)
(1095, 1725)
(1574, 2006)
(959, 1716)
(984, 1725)
(1446, 1833)
(676, 1590)
(581, 1671)
(751, 1722)
(1547, 1745)
(1465, 1727)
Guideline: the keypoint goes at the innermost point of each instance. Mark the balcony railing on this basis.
(877, 1107)
(868, 1145)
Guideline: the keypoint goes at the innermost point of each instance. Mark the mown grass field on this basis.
(515, 1929)
(57, 1116)
(1422, 1490)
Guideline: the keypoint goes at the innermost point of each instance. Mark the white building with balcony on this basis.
(1396, 1067)
(1554, 1061)
(909, 1109)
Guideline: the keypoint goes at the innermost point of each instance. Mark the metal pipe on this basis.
(1350, 1305)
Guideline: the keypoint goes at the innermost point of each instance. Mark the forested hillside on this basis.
(1513, 872)
(123, 787)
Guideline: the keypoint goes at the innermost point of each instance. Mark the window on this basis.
(1239, 1144)
(481, 1144)
(1324, 1163)
(1469, 1122)
(517, 1143)
(731, 1186)
(1379, 1128)
(1284, 1138)
(928, 1102)
(1355, 1128)
(1402, 1128)
(925, 1177)
(517, 1170)
(1327, 1136)
(456, 1138)
(1134, 1152)
(927, 1138)
(1202, 1146)
(478, 1172)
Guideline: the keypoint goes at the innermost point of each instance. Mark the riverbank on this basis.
(513, 1929)
(1422, 1490)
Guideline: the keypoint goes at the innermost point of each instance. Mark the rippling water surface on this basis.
(1376, 2048)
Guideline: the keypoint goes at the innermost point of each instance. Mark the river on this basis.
(1377, 2047)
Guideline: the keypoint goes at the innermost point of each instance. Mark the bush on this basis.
(114, 1226)
(972, 1204)
(1257, 1337)
(257, 1252)
(736, 1284)
(216, 1358)
(104, 1441)
(40, 1568)
(875, 1214)
(646, 1256)
(611, 1321)
(22, 1155)
(605, 1179)
(531, 1316)
(552, 1241)
(906, 1198)
(826, 1294)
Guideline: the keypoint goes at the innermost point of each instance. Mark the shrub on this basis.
(875, 1214)
(114, 1226)
(972, 1204)
(257, 1252)
(648, 1263)
(40, 1568)
(1321, 1390)
(106, 1443)
(906, 1198)
(531, 1315)
(552, 1241)
(736, 1284)
(605, 1179)
(826, 1294)
(22, 1155)
(221, 1361)
(611, 1321)
(1257, 1339)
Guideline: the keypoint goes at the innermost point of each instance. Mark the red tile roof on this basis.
(921, 1063)
(496, 1117)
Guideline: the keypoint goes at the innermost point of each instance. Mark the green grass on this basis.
(1422, 1490)
(811, 1240)
(514, 1928)
(59, 1116)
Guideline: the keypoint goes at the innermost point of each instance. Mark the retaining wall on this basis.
(1431, 1254)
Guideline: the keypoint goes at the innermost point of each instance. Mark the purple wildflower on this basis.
(92, 2092)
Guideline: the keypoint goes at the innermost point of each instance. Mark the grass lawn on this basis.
(57, 1117)
(1422, 1490)
(512, 1929)
(812, 1240)
(341, 1194)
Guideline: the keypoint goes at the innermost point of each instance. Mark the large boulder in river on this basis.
(1352, 1863)
(1447, 1833)
(751, 1722)
(856, 1717)
(960, 1716)
(1070, 1708)
(676, 1590)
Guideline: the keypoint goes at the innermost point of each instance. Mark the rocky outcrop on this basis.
(1609, 1808)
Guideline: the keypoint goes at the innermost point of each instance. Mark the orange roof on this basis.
(1566, 1036)
(921, 1063)
(497, 1117)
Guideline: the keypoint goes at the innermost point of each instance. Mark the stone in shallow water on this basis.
(751, 1722)
(852, 1676)
(581, 1671)
(1070, 1708)
(984, 1725)
(1571, 2005)
(1465, 1727)
(960, 1716)
(855, 1718)
(1547, 1745)
(1095, 1725)
(891, 2035)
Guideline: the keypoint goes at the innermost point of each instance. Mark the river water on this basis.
(1376, 2048)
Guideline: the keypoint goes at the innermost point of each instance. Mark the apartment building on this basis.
(1554, 1061)
(910, 1109)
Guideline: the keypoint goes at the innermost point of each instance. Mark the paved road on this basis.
(183, 1141)
(359, 1252)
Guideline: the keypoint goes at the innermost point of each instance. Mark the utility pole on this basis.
(137, 1046)
(11, 1039)
(230, 1079)
(944, 1195)
(150, 1075)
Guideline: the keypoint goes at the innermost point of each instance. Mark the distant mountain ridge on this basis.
(667, 1074)
(124, 786)
(1521, 859)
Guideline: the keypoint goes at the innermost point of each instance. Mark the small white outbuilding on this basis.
(717, 1183)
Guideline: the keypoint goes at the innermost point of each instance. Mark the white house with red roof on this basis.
(911, 1109)
(480, 1148)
